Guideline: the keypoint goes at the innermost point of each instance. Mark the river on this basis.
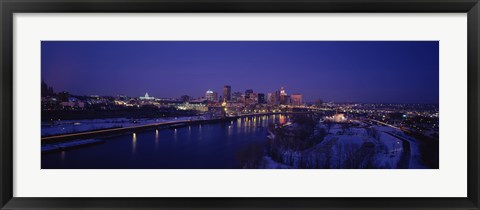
(205, 146)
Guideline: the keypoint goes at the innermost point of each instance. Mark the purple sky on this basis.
(343, 71)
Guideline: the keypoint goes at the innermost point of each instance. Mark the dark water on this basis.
(207, 146)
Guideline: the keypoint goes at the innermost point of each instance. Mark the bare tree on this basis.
(373, 133)
(328, 125)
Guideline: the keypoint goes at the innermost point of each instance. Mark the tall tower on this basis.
(282, 92)
(283, 96)
(248, 92)
(227, 92)
(248, 96)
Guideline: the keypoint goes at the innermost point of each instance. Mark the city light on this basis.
(288, 105)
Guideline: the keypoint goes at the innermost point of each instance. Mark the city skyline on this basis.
(219, 96)
(109, 68)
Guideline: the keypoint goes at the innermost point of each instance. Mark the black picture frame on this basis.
(9, 7)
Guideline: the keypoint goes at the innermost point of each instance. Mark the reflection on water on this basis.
(156, 139)
(194, 146)
(63, 157)
(283, 119)
(175, 134)
(134, 143)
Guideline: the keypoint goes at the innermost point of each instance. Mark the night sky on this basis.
(343, 71)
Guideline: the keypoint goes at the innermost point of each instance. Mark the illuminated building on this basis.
(296, 99)
(227, 92)
(250, 101)
(277, 97)
(248, 97)
(146, 97)
(247, 93)
(254, 98)
(282, 92)
(192, 106)
(270, 98)
(261, 98)
(340, 117)
(73, 103)
(211, 96)
(284, 99)
(237, 97)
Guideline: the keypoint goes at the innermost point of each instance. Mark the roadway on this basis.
(406, 154)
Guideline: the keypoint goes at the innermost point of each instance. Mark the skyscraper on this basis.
(248, 92)
(261, 98)
(237, 97)
(296, 99)
(277, 97)
(283, 92)
(283, 96)
(253, 98)
(227, 93)
(270, 98)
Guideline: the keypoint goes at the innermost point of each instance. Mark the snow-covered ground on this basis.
(415, 156)
(349, 145)
(390, 156)
(74, 126)
(356, 147)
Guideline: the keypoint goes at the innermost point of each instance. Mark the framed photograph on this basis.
(239, 104)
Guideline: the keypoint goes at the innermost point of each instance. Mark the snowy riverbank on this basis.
(74, 126)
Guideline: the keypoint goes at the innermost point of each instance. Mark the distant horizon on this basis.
(375, 72)
(195, 97)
